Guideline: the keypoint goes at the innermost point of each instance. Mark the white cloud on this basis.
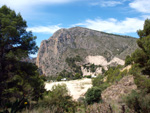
(109, 3)
(112, 25)
(141, 5)
(26, 6)
(33, 2)
(44, 29)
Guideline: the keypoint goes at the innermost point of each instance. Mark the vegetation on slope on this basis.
(57, 100)
(72, 64)
(92, 67)
(75, 69)
(138, 101)
(140, 60)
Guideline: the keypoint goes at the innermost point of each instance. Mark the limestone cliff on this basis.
(83, 42)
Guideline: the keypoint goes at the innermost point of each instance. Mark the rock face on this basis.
(102, 61)
(83, 42)
(115, 92)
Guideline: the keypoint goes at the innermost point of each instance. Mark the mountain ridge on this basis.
(83, 42)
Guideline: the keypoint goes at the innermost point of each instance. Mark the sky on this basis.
(44, 17)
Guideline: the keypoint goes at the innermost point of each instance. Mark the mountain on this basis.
(86, 43)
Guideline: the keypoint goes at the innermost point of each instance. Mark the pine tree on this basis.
(17, 78)
(142, 55)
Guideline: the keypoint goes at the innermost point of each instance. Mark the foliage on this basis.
(77, 73)
(114, 74)
(72, 64)
(142, 82)
(93, 95)
(141, 59)
(71, 60)
(68, 75)
(138, 101)
(142, 56)
(92, 67)
(77, 76)
(49, 78)
(58, 97)
(18, 105)
(135, 70)
(128, 60)
(87, 76)
(59, 78)
(99, 82)
(17, 78)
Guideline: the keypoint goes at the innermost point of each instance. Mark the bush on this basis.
(135, 70)
(58, 98)
(77, 76)
(93, 95)
(98, 81)
(59, 78)
(128, 60)
(142, 82)
(139, 102)
(114, 74)
(72, 64)
(88, 76)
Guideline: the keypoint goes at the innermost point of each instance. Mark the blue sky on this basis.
(44, 17)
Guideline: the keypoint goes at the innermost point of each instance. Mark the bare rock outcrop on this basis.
(115, 92)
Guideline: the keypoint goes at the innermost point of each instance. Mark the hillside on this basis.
(83, 42)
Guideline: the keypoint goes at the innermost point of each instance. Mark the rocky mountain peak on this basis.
(83, 42)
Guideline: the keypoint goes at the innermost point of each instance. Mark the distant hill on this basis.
(66, 43)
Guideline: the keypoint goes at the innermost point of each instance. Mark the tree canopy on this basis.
(17, 78)
(142, 55)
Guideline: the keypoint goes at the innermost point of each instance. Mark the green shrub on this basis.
(138, 101)
(72, 64)
(93, 95)
(104, 86)
(135, 70)
(88, 76)
(77, 76)
(114, 74)
(59, 78)
(96, 82)
(99, 82)
(142, 82)
(92, 67)
(128, 60)
(58, 98)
